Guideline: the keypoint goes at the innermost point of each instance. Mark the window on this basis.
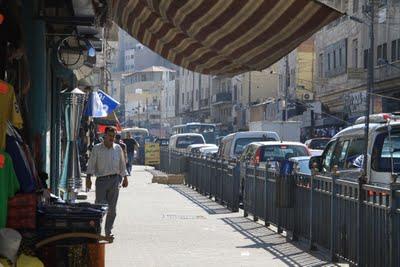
(366, 58)
(282, 152)
(355, 149)
(384, 51)
(398, 49)
(293, 76)
(235, 93)
(340, 57)
(339, 156)
(381, 53)
(185, 141)
(321, 65)
(329, 61)
(394, 50)
(183, 98)
(327, 158)
(378, 54)
(381, 156)
(334, 59)
(355, 6)
(355, 53)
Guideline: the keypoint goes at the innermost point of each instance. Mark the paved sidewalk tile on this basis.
(161, 225)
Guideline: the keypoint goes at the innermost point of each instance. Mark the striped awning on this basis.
(222, 37)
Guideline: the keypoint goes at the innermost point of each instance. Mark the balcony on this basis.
(223, 97)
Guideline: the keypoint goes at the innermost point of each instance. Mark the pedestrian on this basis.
(107, 163)
(122, 145)
(131, 146)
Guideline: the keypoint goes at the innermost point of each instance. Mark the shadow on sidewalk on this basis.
(290, 253)
(203, 202)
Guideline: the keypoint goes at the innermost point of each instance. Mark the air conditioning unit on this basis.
(307, 96)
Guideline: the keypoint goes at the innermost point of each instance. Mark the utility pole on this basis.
(249, 89)
(287, 81)
(370, 84)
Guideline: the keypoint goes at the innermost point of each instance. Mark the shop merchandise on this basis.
(22, 211)
(9, 185)
(10, 240)
(9, 111)
(21, 165)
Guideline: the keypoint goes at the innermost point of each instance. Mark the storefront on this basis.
(38, 224)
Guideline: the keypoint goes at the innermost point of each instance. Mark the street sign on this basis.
(355, 103)
(356, 73)
(151, 154)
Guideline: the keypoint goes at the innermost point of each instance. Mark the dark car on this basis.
(162, 141)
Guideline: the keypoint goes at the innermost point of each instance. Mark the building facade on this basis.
(142, 97)
(342, 61)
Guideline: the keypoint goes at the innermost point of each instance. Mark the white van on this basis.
(348, 145)
(179, 142)
(232, 145)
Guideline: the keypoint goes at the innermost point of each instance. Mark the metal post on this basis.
(287, 80)
(255, 218)
(265, 198)
(314, 170)
(392, 226)
(362, 179)
(333, 213)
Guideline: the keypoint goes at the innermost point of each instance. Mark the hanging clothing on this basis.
(21, 165)
(9, 111)
(9, 185)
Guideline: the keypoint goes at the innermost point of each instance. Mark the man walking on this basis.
(122, 144)
(131, 145)
(107, 163)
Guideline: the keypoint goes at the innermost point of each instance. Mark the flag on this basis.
(94, 107)
(109, 103)
(100, 104)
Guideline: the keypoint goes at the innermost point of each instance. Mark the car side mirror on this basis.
(318, 163)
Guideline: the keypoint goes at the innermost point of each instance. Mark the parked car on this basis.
(300, 164)
(346, 149)
(163, 141)
(269, 154)
(232, 145)
(179, 142)
(209, 151)
(195, 148)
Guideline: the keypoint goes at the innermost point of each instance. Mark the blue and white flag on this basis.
(100, 105)
(109, 103)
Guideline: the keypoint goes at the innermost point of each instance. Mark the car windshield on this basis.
(282, 152)
(318, 144)
(381, 156)
(303, 166)
(185, 141)
(241, 143)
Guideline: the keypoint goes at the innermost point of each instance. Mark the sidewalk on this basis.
(161, 225)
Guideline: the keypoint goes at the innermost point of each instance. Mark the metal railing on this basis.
(325, 210)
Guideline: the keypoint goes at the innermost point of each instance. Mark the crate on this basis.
(66, 224)
(67, 218)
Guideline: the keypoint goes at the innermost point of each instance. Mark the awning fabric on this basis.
(222, 37)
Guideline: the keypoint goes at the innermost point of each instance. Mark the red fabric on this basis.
(101, 128)
(22, 211)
